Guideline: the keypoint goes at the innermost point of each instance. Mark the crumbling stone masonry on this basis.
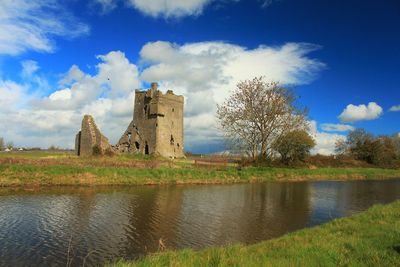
(157, 126)
(89, 137)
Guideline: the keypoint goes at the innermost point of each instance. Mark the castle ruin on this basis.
(90, 137)
(156, 128)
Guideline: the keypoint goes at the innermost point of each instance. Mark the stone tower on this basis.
(157, 126)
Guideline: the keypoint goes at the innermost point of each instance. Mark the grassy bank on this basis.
(371, 238)
(32, 169)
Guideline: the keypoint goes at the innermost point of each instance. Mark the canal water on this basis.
(96, 225)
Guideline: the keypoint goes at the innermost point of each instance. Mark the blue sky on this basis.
(62, 59)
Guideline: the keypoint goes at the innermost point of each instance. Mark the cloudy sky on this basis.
(60, 60)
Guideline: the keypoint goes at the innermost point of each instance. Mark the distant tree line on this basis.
(10, 145)
(382, 150)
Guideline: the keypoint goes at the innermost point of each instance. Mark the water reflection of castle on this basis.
(118, 223)
(132, 221)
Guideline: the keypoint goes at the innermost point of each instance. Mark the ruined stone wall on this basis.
(145, 121)
(88, 137)
(169, 140)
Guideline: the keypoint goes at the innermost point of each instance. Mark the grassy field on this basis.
(371, 238)
(50, 168)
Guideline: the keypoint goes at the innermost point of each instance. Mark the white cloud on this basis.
(12, 95)
(74, 75)
(116, 70)
(266, 3)
(395, 108)
(25, 126)
(62, 95)
(105, 5)
(170, 8)
(202, 130)
(29, 67)
(325, 142)
(204, 73)
(55, 119)
(216, 67)
(361, 112)
(329, 127)
(116, 77)
(31, 25)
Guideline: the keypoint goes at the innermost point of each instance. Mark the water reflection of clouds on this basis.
(128, 222)
(324, 202)
(333, 199)
(203, 214)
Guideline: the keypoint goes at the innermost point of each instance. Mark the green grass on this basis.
(367, 239)
(71, 154)
(49, 168)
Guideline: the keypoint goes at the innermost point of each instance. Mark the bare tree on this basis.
(341, 147)
(257, 113)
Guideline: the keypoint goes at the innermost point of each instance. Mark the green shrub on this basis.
(96, 149)
(294, 146)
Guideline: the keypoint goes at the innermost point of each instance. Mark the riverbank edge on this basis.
(25, 175)
(370, 238)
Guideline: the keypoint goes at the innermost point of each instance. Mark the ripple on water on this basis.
(54, 226)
